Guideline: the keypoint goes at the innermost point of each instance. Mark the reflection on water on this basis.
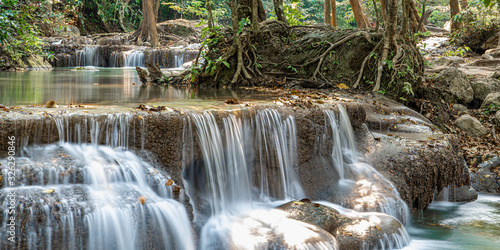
(106, 86)
(449, 225)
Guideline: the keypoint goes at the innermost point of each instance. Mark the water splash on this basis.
(98, 208)
(364, 189)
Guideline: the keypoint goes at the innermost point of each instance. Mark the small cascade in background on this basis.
(88, 56)
(134, 58)
(360, 185)
(117, 59)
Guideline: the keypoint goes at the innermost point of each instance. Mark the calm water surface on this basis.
(105, 86)
(450, 225)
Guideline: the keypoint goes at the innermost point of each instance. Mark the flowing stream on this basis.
(237, 168)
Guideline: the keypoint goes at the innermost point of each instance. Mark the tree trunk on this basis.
(422, 18)
(240, 68)
(245, 9)
(255, 17)
(463, 4)
(210, 17)
(384, 10)
(327, 12)
(414, 18)
(261, 12)
(360, 17)
(389, 38)
(454, 9)
(278, 8)
(148, 27)
(333, 4)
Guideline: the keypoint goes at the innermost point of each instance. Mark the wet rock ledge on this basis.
(401, 144)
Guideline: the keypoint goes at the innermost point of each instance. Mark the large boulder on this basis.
(455, 86)
(484, 86)
(353, 230)
(491, 43)
(447, 61)
(491, 99)
(471, 126)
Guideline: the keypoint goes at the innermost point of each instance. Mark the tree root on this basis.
(321, 58)
(365, 61)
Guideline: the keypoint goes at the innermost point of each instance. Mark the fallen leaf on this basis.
(143, 199)
(377, 227)
(342, 86)
(48, 191)
(169, 182)
(140, 117)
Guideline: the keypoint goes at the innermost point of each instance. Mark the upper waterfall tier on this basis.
(121, 55)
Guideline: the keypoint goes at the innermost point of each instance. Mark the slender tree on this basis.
(147, 31)
(454, 10)
(278, 8)
(389, 38)
(333, 5)
(360, 17)
(327, 12)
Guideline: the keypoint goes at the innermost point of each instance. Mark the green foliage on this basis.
(293, 12)
(196, 9)
(18, 36)
(460, 51)
(490, 109)
(479, 22)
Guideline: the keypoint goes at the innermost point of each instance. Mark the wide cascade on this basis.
(85, 196)
(238, 169)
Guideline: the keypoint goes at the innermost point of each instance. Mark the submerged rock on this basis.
(457, 194)
(269, 230)
(484, 180)
(352, 230)
(471, 126)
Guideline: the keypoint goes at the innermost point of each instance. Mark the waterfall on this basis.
(90, 198)
(88, 56)
(366, 189)
(277, 146)
(178, 60)
(112, 128)
(134, 58)
(88, 191)
(117, 59)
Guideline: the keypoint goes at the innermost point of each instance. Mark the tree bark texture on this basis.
(333, 5)
(384, 10)
(454, 9)
(278, 8)
(327, 12)
(463, 4)
(245, 9)
(360, 17)
(148, 29)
